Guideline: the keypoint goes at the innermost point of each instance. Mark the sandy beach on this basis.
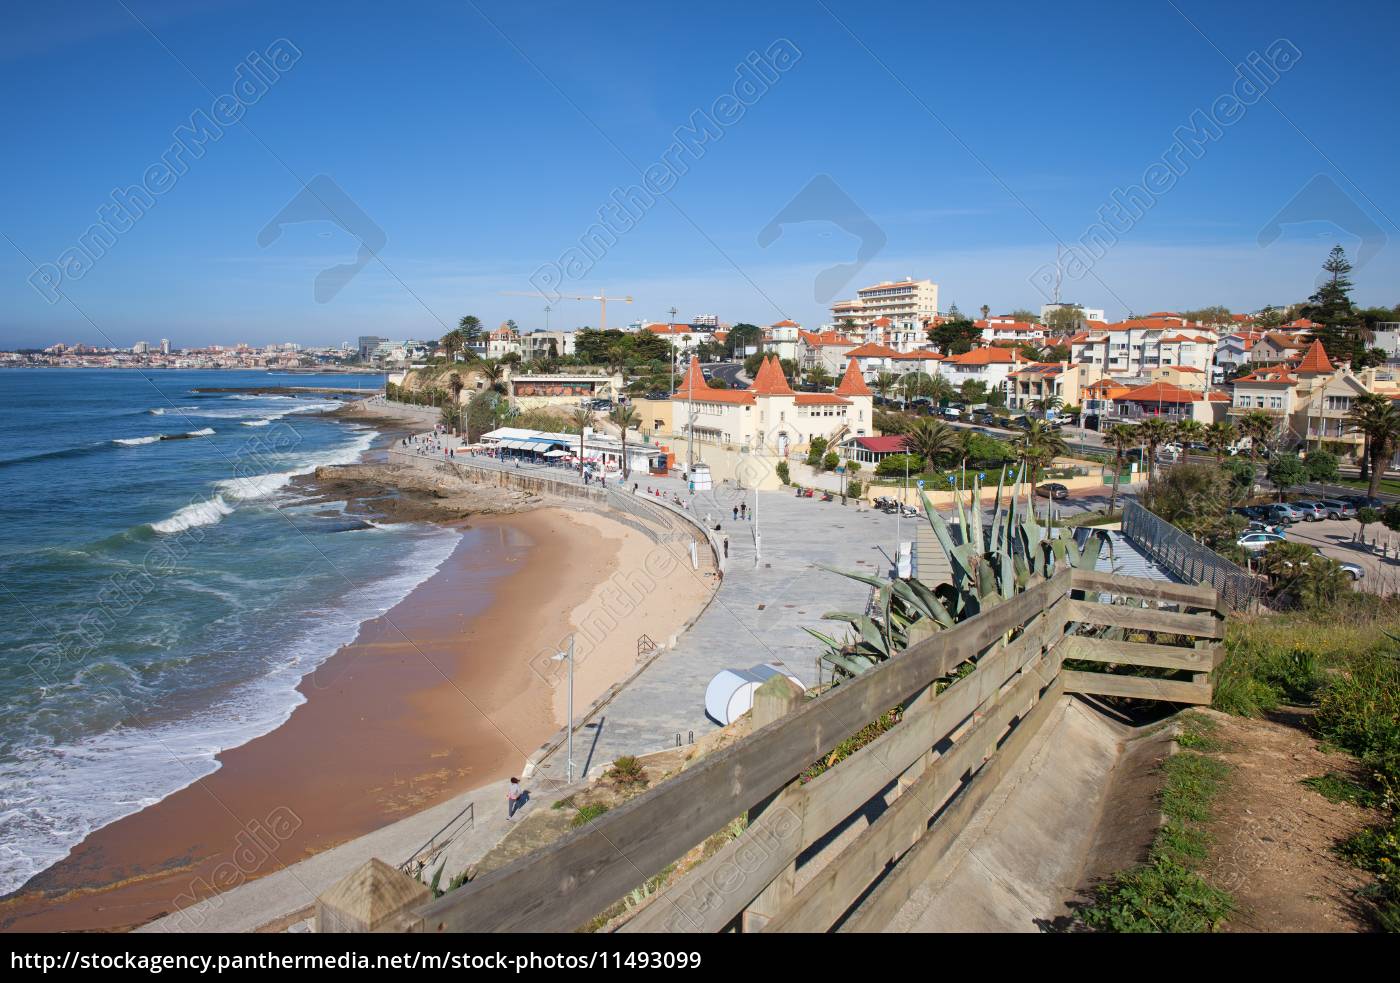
(449, 690)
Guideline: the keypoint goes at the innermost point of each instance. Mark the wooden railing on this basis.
(929, 772)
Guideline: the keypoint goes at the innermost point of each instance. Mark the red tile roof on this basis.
(771, 380)
(872, 350)
(919, 354)
(1315, 362)
(883, 445)
(818, 339)
(811, 399)
(853, 383)
(985, 356)
(1160, 392)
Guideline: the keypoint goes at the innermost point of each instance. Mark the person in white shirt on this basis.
(513, 798)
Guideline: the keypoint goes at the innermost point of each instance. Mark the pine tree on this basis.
(1331, 305)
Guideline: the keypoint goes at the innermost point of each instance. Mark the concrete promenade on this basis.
(767, 596)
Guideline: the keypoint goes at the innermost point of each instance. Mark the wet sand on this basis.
(447, 691)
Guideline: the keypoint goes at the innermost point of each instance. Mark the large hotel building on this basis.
(902, 301)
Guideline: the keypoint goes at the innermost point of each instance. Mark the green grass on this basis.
(1287, 658)
(1346, 661)
(1336, 787)
(586, 814)
(1166, 894)
(1388, 486)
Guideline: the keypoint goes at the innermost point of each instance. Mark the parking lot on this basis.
(1338, 540)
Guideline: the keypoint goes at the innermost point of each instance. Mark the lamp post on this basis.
(568, 656)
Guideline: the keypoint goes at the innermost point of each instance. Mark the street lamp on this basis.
(568, 656)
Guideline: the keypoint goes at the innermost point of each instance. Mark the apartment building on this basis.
(906, 301)
(1136, 347)
(1310, 399)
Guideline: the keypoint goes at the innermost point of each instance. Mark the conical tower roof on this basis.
(694, 381)
(1315, 361)
(771, 381)
(853, 383)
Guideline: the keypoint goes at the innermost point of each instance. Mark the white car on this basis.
(1257, 542)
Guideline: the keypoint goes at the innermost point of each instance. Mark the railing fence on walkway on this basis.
(1188, 559)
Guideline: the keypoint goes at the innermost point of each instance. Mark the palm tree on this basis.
(452, 344)
(1380, 424)
(495, 374)
(1220, 437)
(933, 440)
(583, 419)
(1047, 405)
(625, 417)
(1258, 426)
(1122, 438)
(455, 381)
(885, 383)
(1360, 408)
(1039, 445)
(819, 376)
(941, 389)
(1188, 432)
(1154, 431)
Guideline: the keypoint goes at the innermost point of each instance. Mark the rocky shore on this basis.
(396, 493)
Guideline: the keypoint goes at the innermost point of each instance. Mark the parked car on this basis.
(1052, 490)
(1353, 570)
(1312, 511)
(1363, 501)
(1337, 509)
(1285, 513)
(1257, 542)
(1260, 512)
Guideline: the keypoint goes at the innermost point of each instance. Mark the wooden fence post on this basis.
(772, 701)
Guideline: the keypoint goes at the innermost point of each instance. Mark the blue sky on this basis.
(481, 139)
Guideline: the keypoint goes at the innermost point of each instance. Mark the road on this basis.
(728, 371)
(1338, 539)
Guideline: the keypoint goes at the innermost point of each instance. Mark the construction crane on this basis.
(601, 297)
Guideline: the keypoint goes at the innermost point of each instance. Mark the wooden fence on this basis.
(923, 778)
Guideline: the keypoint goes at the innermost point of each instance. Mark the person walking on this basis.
(744, 509)
(726, 547)
(512, 798)
(736, 513)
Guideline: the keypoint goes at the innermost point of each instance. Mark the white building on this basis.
(902, 301)
(1087, 313)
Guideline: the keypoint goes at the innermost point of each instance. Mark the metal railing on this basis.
(1191, 561)
(425, 854)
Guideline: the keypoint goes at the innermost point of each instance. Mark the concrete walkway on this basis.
(283, 900)
(756, 616)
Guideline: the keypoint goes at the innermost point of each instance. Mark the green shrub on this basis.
(895, 464)
(1360, 713)
(1166, 894)
(830, 460)
(854, 488)
(586, 814)
(627, 770)
(783, 475)
(1378, 850)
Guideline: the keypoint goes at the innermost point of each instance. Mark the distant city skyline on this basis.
(802, 151)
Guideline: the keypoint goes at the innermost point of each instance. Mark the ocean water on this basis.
(164, 585)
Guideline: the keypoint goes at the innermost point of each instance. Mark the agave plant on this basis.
(988, 565)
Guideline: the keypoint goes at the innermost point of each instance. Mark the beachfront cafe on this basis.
(600, 450)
